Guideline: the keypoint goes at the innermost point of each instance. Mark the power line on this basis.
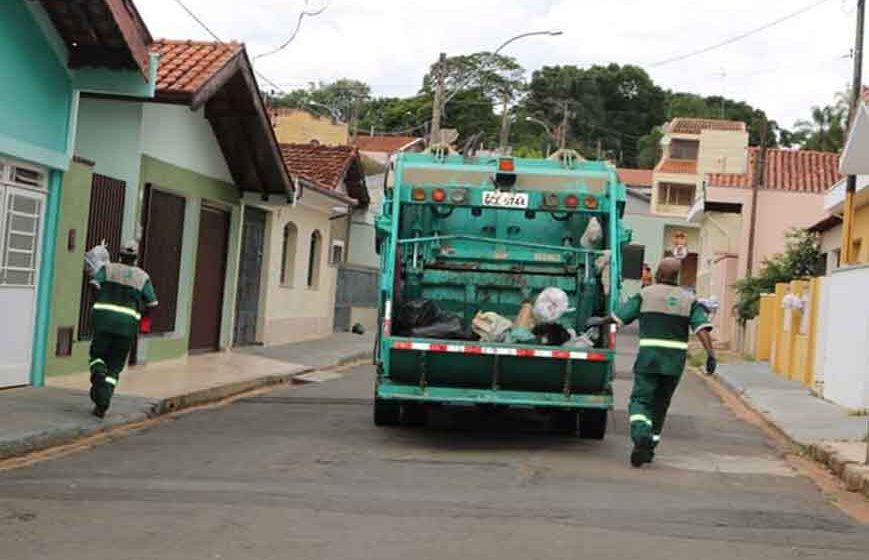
(739, 37)
(302, 15)
(214, 35)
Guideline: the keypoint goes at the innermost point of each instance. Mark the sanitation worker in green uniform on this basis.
(124, 292)
(667, 315)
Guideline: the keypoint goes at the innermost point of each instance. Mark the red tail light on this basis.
(571, 201)
(506, 165)
(439, 195)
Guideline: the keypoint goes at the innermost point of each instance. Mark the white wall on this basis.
(177, 135)
(844, 345)
(295, 312)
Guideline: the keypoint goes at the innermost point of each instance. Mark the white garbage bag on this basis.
(593, 234)
(602, 264)
(96, 259)
(551, 304)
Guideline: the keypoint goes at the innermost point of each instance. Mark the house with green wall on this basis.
(57, 52)
(170, 172)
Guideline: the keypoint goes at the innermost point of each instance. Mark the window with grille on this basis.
(336, 255)
(21, 206)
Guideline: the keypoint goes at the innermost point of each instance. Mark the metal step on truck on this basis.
(467, 235)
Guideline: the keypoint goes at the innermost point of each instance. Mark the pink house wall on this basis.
(778, 212)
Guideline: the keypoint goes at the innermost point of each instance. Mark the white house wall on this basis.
(109, 133)
(177, 135)
(295, 312)
(845, 344)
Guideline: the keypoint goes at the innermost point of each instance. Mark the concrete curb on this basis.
(58, 437)
(854, 475)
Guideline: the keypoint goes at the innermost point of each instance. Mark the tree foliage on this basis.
(800, 259)
(337, 99)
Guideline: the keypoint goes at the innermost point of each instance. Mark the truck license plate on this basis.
(505, 199)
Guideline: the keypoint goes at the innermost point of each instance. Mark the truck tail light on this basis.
(571, 201)
(506, 165)
(590, 202)
(418, 194)
(458, 196)
(439, 195)
(550, 200)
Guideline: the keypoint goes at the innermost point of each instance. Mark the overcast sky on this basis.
(390, 43)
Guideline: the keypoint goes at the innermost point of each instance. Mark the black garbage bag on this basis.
(415, 313)
(551, 334)
(447, 326)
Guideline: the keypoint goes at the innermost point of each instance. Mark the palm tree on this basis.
(826, 131)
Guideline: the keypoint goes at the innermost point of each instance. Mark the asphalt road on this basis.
(302, 473)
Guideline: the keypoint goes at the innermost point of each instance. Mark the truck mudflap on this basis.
(455, 372)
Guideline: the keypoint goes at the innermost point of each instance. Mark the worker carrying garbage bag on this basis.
(666, 313)
(124, 292)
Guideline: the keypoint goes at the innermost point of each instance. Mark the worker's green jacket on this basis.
(667, 315)
(123, 292)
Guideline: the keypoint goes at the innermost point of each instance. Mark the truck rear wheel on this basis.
(563, 422)
(414, 415)
(592, 424)
(386, 413)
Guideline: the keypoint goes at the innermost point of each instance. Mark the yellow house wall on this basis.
(765, 325)
(301, 127)
(861, 231)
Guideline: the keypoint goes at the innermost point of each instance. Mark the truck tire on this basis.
(563, 422)
(414, 415)
(592, 424)
(386, 413)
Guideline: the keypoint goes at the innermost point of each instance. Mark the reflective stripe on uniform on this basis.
(662, 343)
(640, 418)
(118, 309)
(95, 362)
(656, 438)
(111, 381)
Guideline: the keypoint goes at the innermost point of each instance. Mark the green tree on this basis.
(649, 147)
(494, 75)
(339, 98)
(825, 131)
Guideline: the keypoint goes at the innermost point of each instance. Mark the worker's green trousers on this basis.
(109, 353)
(650, 400)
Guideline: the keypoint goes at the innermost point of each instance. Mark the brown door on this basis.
(210, 275)
(104, 224)
(689, 271)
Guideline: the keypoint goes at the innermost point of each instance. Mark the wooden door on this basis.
(207, 312)
(249, 276)
(689, 271)
(105, 220)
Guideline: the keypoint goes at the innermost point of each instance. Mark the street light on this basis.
(439, 101)
(546, 128)
(332, 111)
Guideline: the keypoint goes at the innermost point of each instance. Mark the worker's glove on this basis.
(711, 364)
(595, 321)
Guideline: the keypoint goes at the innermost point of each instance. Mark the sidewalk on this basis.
(828, 432)
(38, 418)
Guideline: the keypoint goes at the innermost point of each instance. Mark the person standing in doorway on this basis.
(667, 315)
(124, 294)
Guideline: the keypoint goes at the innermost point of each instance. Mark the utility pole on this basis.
(563, 140)
(757, 180)
(505, 123)
(437, 104)
(354, 120)
(851, 184)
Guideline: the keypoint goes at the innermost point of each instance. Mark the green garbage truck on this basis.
(466, 238)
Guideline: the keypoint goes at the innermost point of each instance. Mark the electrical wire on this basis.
(739, 37)
(302, 15)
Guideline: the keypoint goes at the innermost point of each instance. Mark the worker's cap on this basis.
(130, 248)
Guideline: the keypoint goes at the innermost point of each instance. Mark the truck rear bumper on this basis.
(459, 396)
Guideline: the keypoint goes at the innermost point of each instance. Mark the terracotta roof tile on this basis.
(324, 166)
(787, 170)
(683, 125)
(384, 144)
(679, 166)
(636, 177)
(186, 66)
